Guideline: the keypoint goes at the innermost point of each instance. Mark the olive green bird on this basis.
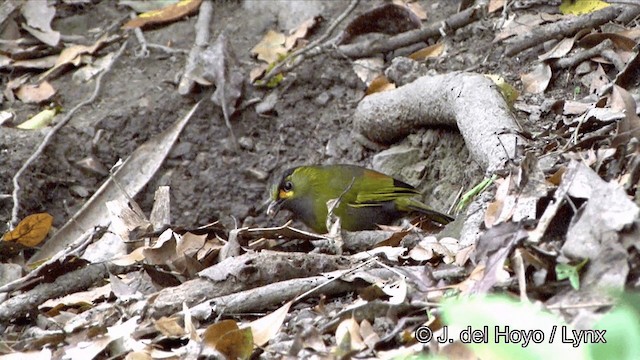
(367, 198)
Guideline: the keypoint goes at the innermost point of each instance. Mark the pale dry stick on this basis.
(343, 274)
(54, 130)
(298, 56)
(187, 84)
(334, 226)
(167, 49)
(582, 56)
(144, 52)
(565, 28)
(518, 267)
(579, 306)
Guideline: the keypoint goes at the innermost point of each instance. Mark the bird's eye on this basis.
(287, 186)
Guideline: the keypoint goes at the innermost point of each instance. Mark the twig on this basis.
(166, 49)
(74, 281)
(333, 204)
(334, 227)
(54, 130)
(201, 41)
(343, 274)
(518, 266)
(582, 56)
(312, 49)
(579, 306)
(563, 28)
(143, 52)
(456, 21)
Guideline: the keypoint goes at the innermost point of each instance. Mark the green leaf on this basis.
(571, 272)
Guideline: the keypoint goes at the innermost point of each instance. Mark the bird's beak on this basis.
(274, 207)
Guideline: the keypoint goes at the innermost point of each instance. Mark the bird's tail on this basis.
(433, 215)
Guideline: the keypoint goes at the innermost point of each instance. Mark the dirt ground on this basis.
(209, 182)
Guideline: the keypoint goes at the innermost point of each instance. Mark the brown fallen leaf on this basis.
(302, 31)
(536, 81)
(167, 14)
(72, 55)
(266, 327)
(629, 126)
(228, 339)
(35, 93)
(414, 6)
(432, 51)
(271, 47)
(380, 84)
(31, 230)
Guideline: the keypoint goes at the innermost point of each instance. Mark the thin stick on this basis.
(298, 56)
(49, 136)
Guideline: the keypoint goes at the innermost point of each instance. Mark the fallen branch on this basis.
(582, 56)
(244, 272)
(79, 280)
(566, 28)
(457, 21)
(470, 102)
(267, 297)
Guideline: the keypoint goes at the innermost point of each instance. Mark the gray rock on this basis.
(397, 160)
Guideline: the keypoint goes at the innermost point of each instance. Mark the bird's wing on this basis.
(376, 196)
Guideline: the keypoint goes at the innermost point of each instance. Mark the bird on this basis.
(366, 198)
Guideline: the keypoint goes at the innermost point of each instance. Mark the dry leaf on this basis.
(268, 326)
(39, 16)
(629, 126)
(495, 5)
(135, 256)
(40, 120)
(271, 47)
(369, 336)
(397, 291)
(301, 31)
(169, 327)
(31, 230)
(432, 51)
(536, 81)
(167, 14)
(380, 84)
(572, 7)
(228, 339)
(561, 49)
(414, 6)
(524, 24)
(349, 329)
(35, 93)
(368, 69)
(72, 55)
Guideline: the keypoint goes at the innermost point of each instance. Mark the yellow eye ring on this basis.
(285, 194)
